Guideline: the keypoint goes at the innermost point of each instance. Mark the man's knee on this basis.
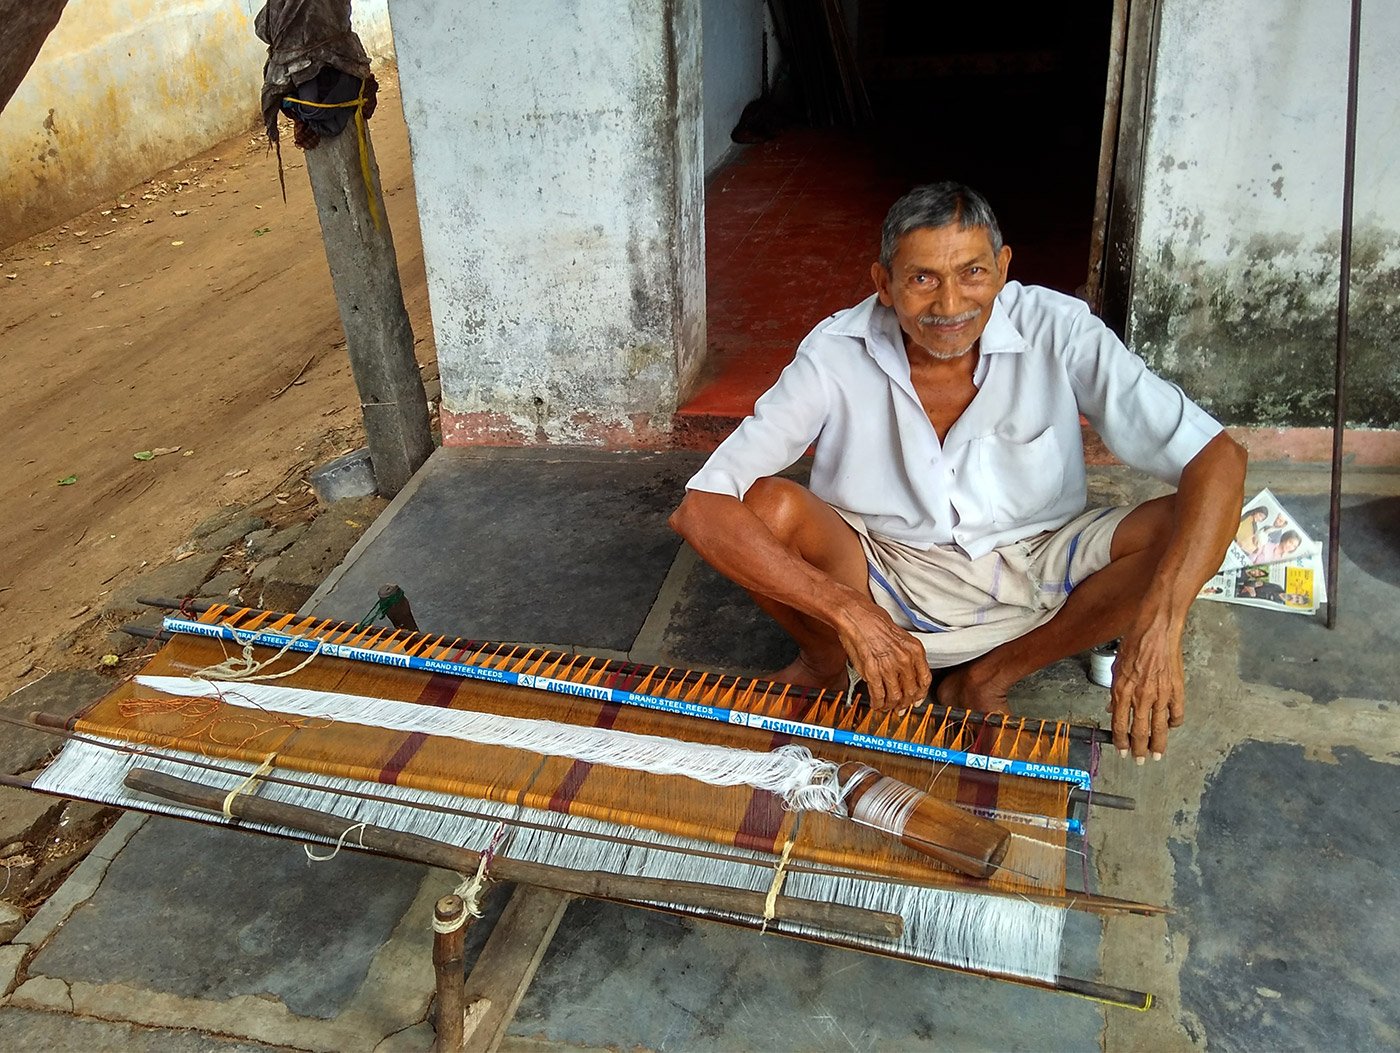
(1148, 526)
(780, 503)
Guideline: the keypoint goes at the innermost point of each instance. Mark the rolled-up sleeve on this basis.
(786, 420)
(1146, 422)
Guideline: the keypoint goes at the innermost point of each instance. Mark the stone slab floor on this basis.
(1267, 828)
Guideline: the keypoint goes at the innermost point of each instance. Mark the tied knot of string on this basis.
(244, 668)
(358, 829)
(770, 902)
(248, 784)
(471, 888)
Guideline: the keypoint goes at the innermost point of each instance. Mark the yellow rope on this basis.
(770, 902)
(247, 784)
(359, 104)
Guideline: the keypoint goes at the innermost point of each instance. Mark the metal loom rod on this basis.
(497, 674)
(1087, 902)
(1124, 997)
(1085, 733)
(1077, 795)
(1339, 397)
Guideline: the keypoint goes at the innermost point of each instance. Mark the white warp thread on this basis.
(804, 782)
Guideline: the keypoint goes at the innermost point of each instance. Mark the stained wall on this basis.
(125, 88)
(1236, 273)
(558, 164)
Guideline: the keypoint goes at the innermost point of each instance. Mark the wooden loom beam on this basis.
(1086, 902)
(837, 917)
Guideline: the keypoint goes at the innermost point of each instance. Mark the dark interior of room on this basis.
(1008, 99)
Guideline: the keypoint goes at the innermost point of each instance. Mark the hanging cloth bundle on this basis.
(317, 71)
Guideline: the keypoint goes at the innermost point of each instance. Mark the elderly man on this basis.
(946, 525)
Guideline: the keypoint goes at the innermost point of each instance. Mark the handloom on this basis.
(579, 815)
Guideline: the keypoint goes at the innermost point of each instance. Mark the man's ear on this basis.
(881, 277)
(1004, 261)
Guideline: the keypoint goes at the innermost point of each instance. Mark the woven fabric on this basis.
(738, 816)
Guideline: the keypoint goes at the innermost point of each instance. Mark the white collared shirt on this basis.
(1010, 467)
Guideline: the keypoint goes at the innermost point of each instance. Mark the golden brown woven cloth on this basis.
(737, 816)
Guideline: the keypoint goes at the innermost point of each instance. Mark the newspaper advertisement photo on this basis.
(1271, 562)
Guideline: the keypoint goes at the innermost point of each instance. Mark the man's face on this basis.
(941, 284)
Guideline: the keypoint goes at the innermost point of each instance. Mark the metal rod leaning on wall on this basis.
(1339, 405)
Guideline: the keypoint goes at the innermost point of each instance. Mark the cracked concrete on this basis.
(1237, 817)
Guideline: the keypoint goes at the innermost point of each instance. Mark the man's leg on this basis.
(1099, 608)
(815, 533)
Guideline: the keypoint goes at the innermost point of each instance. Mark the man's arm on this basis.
(1149, 681)
(732, 539)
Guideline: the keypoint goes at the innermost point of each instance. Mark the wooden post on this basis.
(399, 613)
(378, 336)
(449, 938)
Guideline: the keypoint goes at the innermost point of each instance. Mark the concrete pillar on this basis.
(557, 160)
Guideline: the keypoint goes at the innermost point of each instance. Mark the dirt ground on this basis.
(194, 311)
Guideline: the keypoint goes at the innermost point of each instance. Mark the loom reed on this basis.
(1084, 733)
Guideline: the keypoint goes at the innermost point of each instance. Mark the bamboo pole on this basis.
(836, 917)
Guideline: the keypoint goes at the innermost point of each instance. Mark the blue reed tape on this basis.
(938, 754)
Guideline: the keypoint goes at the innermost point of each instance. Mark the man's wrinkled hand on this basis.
(1149, 692)
(890, 661)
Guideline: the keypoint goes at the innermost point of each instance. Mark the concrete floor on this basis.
(1259, 828)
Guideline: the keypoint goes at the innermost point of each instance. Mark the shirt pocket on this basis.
(1019, 480)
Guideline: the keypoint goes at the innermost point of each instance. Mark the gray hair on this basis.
(933, 206)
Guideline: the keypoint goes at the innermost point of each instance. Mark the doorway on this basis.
(1007, 98)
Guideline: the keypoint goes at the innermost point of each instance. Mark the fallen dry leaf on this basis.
(100, 292)
(80, 611)
(177, 244)
(236, 473)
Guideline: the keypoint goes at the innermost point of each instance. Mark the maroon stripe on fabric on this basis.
(438, 691)
(573, 779)
(763, 818)
(975, 788)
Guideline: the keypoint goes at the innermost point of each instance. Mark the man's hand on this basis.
(1149, 687)
(890, 661)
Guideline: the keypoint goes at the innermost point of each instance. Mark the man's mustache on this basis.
(937, 320)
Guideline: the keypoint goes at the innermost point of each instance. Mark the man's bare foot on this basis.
(962, 688)
(803, 673)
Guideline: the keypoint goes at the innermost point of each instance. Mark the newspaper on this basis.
(1271, 563)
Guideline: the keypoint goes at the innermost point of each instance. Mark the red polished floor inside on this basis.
(791, 229)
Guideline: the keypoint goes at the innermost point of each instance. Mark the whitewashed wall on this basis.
(1236, 272)
(557, 158)
(125, 88)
